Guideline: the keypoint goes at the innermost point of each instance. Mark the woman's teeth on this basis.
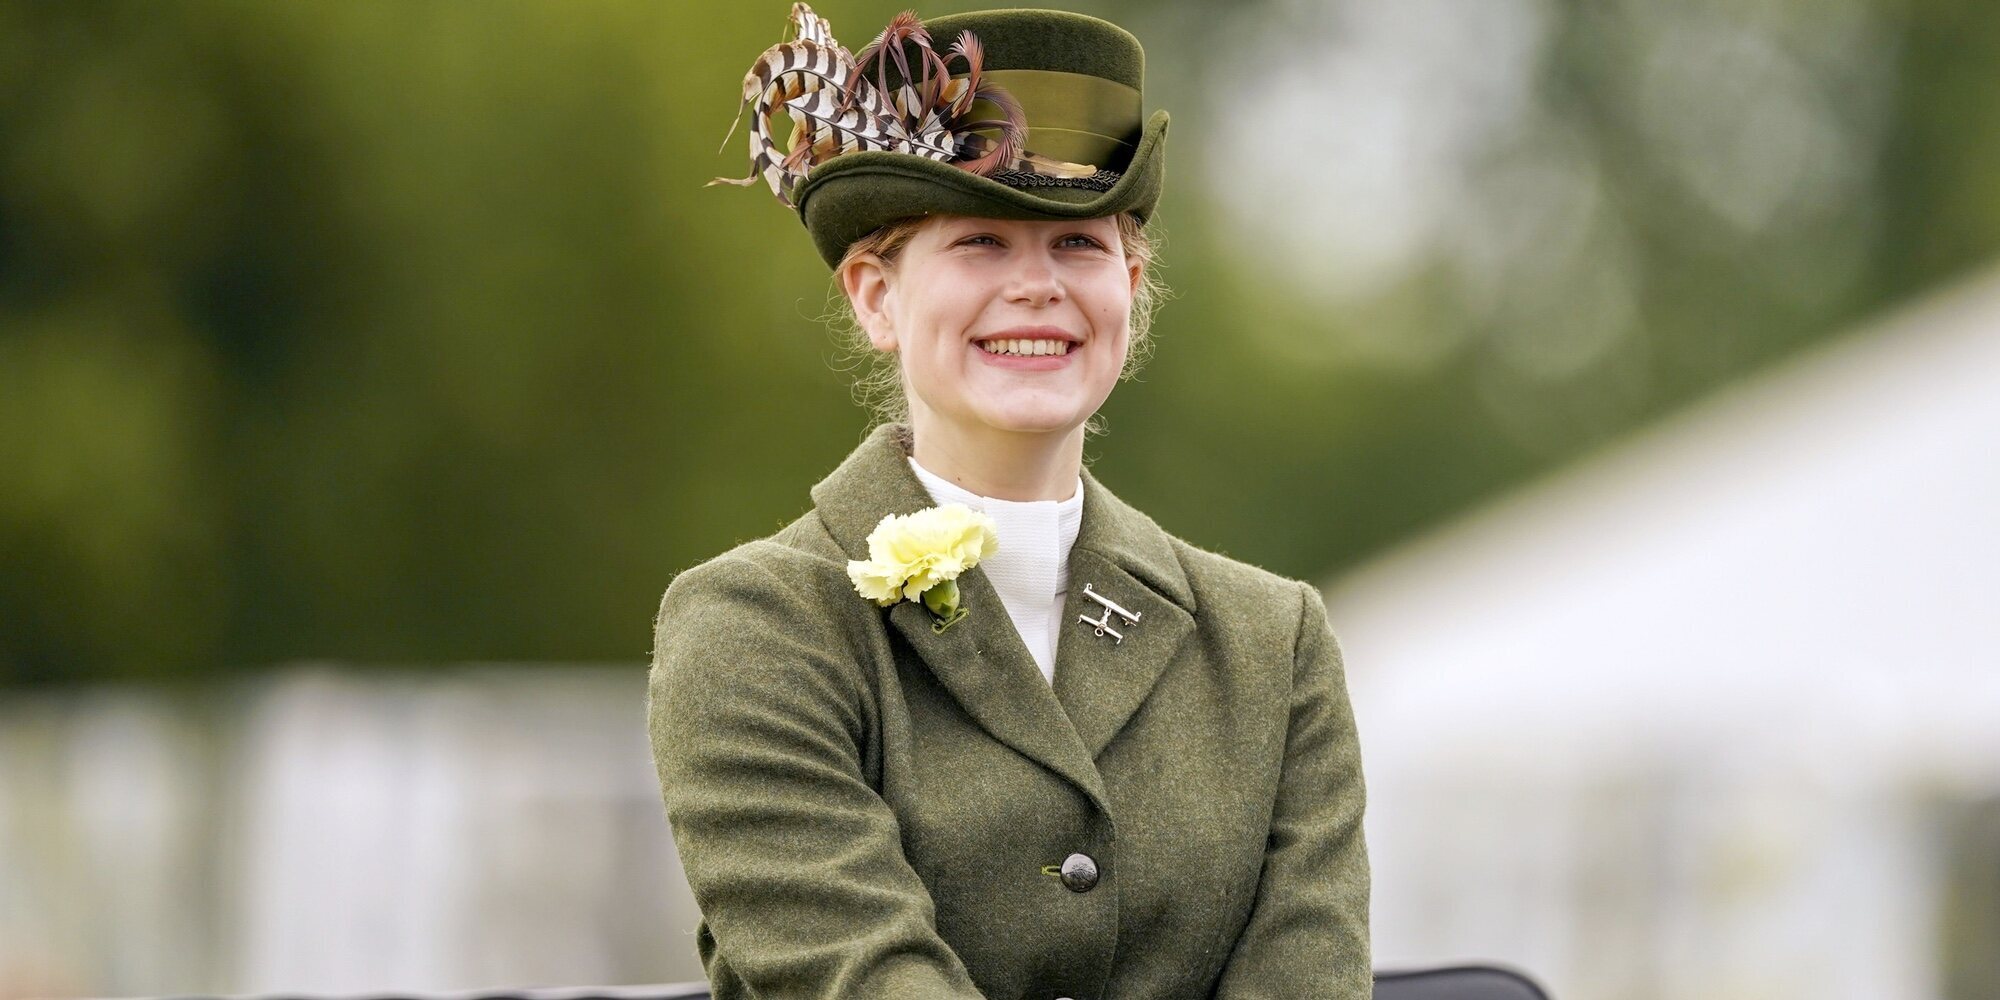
(1026, 347)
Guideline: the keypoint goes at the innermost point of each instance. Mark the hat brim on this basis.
(854, 194)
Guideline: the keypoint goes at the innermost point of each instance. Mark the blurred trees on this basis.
(407, 332)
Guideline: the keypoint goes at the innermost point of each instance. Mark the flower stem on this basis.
(942, 598)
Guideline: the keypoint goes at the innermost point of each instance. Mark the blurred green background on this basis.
(408, 332)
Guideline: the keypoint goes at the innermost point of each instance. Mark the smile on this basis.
(1037, 347)
(1034, 354)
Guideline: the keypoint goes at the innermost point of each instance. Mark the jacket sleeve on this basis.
(1307, 936)
(758, 717)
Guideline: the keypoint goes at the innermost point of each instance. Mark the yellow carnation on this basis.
(911, 553)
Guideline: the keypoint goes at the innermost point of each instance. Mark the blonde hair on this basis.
(880, 387)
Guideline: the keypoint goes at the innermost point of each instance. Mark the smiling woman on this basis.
(882, 387)
(970, 306)
(973, 726)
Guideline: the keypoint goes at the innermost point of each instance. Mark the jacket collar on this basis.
(1100, 682)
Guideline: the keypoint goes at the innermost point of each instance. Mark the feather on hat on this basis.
(903, 129)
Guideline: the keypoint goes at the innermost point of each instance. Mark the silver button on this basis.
(1079, 873)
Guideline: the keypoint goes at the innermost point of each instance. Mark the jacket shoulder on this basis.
(799, 551)
(796, 575)
(1213, 574)
(1264, 612)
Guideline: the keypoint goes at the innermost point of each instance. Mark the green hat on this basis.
(870, 146)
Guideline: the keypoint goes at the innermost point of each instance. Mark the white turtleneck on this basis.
(1030, 568)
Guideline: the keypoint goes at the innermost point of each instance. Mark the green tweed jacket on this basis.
(867, 808)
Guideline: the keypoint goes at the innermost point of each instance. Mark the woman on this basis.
(974, 727)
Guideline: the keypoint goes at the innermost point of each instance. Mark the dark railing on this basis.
(1442, 982)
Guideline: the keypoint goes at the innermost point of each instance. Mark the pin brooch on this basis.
(1103, 622)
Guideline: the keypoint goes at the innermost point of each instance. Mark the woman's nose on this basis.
(1034, 282)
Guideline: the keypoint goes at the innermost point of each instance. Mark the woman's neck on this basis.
(1004, 465)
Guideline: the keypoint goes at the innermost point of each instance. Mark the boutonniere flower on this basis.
(919, 556)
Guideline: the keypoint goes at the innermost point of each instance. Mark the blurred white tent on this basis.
(1690, 718)
(325, 829)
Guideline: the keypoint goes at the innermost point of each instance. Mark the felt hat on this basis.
(1014, 114)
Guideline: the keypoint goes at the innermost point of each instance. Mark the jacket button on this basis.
(1079, 873)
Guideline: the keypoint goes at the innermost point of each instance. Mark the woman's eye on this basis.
(1073, 240)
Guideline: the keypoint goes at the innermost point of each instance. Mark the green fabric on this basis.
(1028, 38)
(1071, 116)
(866, 808)
(1068, 100)
(1096, 122)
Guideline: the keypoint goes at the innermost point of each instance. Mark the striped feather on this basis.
(836, 109)
(811, 27)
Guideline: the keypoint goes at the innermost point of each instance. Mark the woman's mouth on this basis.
(1027, 347)
(1027, 353)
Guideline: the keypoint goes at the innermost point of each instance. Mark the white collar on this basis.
(1032, 560)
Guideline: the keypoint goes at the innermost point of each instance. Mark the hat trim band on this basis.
(1103, 180)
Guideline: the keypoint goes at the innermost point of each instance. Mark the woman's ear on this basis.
(865, 279)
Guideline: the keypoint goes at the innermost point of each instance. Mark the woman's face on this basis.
(962, 285)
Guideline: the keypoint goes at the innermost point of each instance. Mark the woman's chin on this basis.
(1034, 419)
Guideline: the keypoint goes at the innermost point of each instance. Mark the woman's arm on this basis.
(1308, 935)
(758, 717)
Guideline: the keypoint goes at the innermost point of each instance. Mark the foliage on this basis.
(408, 332)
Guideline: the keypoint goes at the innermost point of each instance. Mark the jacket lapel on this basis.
(1099, 681)
(1124, 557)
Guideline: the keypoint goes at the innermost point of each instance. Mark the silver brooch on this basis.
(1103, 622)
